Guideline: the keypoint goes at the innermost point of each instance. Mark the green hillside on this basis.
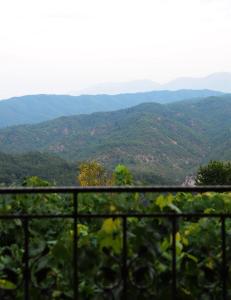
(15, 168)
(155, 141)
(39, 108)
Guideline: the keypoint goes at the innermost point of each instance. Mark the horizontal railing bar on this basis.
(116, 189)
(36, 216)
(117, 215)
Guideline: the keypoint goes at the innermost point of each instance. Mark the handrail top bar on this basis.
(170, 215)
(116, 189)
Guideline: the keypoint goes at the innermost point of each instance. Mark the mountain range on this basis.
(39, 108)
(216, 81)
(160, 143)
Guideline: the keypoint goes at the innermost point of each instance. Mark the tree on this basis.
(215, 173)
(122, 176)
(92, 173)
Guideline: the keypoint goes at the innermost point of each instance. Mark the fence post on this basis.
(75, 246)
(26, 259)
(174, 229)
(124, 254)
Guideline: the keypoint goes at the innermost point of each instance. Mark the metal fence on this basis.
(76, 215)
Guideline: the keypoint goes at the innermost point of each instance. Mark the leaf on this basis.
(184, 241)
(110, 225)
(37, 247)
(7, 285)
(209, 210)
(56, 294)
(110, 243)
(178, 237)
(210, 263)
(82, 230)
(192, 257)
(164, 245)
(160, 201)
(166, 201)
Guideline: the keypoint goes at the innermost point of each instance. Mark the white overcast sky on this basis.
(58, 46)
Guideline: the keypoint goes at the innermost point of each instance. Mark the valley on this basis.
(159, 143)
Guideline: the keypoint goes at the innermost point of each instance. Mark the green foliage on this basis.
(122, 175)
(215, 173)
(14, 169)
(7, 285)
(100, 244)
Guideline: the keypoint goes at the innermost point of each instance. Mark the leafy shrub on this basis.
(100, 246)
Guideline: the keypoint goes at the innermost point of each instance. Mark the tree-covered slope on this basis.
(168, 141)
(39, 108)
(15, 168)
(146, 138)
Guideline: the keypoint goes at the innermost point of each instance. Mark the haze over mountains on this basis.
(38, 108)
(216, 81)
(161, 135)
(160, 143)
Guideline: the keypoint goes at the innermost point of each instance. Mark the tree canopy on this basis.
(215, 173)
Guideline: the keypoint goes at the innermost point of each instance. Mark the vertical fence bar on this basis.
(124, 254)
(26, 273)
(224, 262)
(75, 246)
(174, 290)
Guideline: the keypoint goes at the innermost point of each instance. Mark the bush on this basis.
(215, 173)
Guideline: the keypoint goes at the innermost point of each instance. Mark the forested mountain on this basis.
(15, 168)
(155, 141)
(39, 108)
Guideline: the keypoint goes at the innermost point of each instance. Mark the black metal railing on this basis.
(76, 215)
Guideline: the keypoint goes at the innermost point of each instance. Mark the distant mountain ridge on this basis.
(38, 108)
(115, 88)
(216, 81)
(159, 143)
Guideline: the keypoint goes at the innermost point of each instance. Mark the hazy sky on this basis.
(58, 46)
